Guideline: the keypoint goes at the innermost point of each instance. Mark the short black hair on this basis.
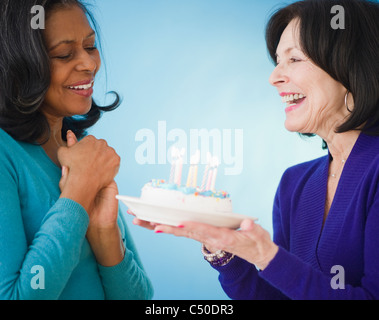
(25, 74)
(350, 56)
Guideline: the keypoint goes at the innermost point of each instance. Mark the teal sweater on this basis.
(44, 253)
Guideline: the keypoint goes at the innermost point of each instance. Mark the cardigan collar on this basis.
(313, 241)
(364, 152)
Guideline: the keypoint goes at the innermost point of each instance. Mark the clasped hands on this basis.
(88, 171)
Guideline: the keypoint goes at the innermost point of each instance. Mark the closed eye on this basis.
(295, 60)
(63, 57)
(91, 48)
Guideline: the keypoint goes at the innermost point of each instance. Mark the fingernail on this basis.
(64, 171)
(181, 226)
(158, 231)
(71, 134)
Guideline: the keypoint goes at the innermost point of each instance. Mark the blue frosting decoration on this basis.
(186, 190)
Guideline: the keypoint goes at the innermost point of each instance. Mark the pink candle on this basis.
(195, 159)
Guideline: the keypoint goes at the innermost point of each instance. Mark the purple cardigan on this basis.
(302, 268)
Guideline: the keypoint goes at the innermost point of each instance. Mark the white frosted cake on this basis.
(160, 193)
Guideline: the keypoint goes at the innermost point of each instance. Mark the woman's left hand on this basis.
(251, 242)
(103, 233)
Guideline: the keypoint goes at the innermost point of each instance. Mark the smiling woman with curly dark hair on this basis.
(25, 72)
(58, 212)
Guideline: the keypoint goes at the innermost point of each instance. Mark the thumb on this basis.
(71, 138)
(247, 225)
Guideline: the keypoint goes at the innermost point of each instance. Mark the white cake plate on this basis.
(174, 217)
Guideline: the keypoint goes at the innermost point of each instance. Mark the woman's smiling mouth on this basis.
(83, 88)
(293, 100)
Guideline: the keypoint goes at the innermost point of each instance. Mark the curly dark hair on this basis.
(350, 55)
(25, 74)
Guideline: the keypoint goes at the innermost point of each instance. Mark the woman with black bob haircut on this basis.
(326, 211)
(61, 233)
(349, 55)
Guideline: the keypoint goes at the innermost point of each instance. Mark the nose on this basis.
(87, 63)
(278, 76)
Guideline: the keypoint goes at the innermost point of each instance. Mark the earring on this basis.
(346, 105)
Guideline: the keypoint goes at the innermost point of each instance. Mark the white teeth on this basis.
(82, 87)
(292, 97)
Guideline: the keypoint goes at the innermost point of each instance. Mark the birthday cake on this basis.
(189, 197)
(165, 194)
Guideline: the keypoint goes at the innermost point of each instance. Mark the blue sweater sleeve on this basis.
(55, 248)
(298, 280)
(242, 281)
(128, 279)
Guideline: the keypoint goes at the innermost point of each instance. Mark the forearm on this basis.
(106, 245)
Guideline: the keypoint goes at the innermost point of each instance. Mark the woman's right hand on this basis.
(92, 165)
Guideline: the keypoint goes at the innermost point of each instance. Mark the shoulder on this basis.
(4, 137)
(295, 179)
(8, 159)
(7, 142)
(11, 153)
(8, 145)
(303, 170)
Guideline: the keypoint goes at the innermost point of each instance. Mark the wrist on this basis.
(79, 191)
(219, 258)
(269, 256)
